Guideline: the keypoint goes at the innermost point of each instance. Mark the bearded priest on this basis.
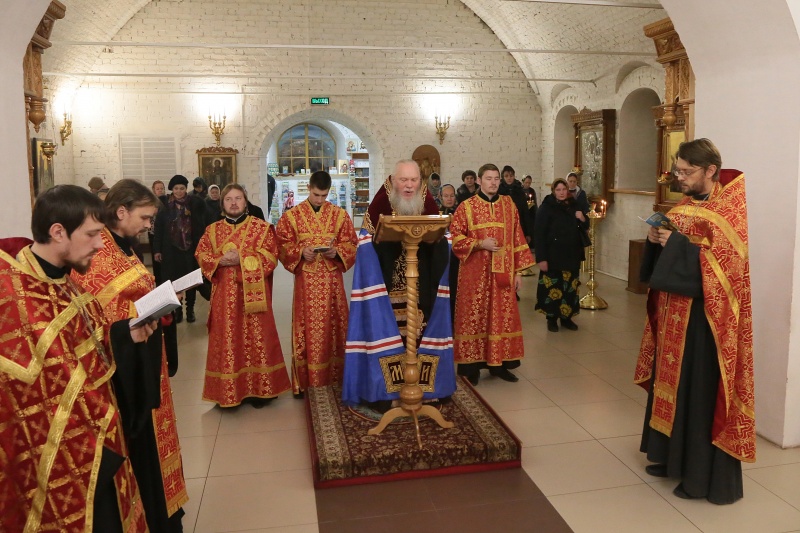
(377, 328)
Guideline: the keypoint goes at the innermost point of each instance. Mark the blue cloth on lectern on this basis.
(372, 335)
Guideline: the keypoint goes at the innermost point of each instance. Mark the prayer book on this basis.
(164, 298)
(321, 249)
(660, 220)
(189, 281)
(155, 304)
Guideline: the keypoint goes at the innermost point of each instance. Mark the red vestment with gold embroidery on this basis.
(117, 280)
(487, 324)
(244, 353)
(719, 227)
(319, 308)
(57, 408)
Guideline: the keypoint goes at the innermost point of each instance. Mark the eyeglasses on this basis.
(685, 173)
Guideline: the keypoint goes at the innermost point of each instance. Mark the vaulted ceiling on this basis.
(555, 43)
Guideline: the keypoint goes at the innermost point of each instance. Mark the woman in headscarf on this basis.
(179, 226)
(212, 207)
(559, 252)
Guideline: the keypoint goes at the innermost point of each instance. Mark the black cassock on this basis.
(705, 471)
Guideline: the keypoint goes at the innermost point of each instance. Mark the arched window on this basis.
(306, 146)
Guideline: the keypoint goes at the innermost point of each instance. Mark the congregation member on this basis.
(199, 188)
(696, 357)
(377, 327)
(489, 242)
(468, 188)
(178, 228)
(448, 208)
(238, 254)
(560, 239)
(512, 187)
(253, 209)
(169, 327)
(448, 195)
(117, 278)
(95, 184)
(212, 209)
(65, 464)
(435, 188)
(577, 193)
(317, 243)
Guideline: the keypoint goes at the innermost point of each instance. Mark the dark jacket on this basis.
(212, 211)
(558, 238)
(175, 262)
(256, 211)
(462, 193)
(582, 201)
(271, 185)
(520, 200)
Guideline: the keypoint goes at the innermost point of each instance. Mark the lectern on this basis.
(411, 231)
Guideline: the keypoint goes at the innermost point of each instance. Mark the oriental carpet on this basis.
(343, 454)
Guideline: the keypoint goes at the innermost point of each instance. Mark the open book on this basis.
(660, 220)
(164, 298)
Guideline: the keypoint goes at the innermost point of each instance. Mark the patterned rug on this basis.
(343, 454)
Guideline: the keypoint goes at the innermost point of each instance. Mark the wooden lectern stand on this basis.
(411, 230)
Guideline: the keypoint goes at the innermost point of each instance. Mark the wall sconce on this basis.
(441, 127)
(217, 127)
(66, 129)
(48, 150)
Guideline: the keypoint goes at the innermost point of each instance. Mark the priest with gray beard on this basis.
(403, 193)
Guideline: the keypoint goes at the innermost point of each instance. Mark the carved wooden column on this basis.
(32, 72)
(675, 117)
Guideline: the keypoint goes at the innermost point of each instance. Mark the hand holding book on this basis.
(164, 299)
(660, 221)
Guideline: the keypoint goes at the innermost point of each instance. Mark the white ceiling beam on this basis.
(350, 48)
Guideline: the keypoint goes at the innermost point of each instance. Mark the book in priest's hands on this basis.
(660, 220)
(164, 298)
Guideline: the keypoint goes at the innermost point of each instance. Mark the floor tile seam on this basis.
(309, 468)
(533, 446)
(278, 430)
(199, 506)
(226, 433)
(771, 492)
(587, 430)
(622, 391)
(548, 496)
(644, 480)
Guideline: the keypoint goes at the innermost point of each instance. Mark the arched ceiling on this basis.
(552, 41)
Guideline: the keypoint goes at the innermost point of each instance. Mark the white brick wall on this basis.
(498, 121)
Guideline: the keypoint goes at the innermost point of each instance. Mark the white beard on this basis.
(407, 207)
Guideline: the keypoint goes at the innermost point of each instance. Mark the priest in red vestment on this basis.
(317, 243)
(64, 464)
(405, 193)
(238, 255)
(379, 332)
(696, 356)
(117, 278)
(490, 244)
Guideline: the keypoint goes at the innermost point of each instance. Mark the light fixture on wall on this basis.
(441, 127)
(66, 129)
(217, 127)
(48, 150)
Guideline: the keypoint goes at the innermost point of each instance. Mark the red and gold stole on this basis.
(255, 241)
(719, 227)
(117, 280)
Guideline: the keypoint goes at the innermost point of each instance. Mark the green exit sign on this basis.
(322, 100)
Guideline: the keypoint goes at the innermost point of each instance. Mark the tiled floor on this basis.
(575, 409)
